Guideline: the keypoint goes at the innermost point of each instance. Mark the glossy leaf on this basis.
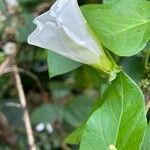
(75, 136)
(58, 64)
(120, 121)
(122, 27)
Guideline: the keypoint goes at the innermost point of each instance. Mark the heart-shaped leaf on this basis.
(122, 27)
(120, 122)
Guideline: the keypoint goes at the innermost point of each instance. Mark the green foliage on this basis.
(25, 26)
(58, 64)
(87, 76)
(11, 113)
(59, 90)
(104, 113)
(47, 113)
(123, 27)
(110, 1)
(74, 117)
(146, 141)
(134, 67)
(75, 137)
(2, 5)
(120, 121)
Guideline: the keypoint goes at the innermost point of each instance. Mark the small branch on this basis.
(4, 64)
(26, 117)
(27, 73)
(147, 55)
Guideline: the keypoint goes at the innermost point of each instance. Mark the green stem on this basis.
(147, 58)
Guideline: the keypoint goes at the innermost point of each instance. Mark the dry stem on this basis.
(26, 117)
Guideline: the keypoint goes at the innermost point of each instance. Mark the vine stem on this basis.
(147, 58)
(23, 104)
(147, 106)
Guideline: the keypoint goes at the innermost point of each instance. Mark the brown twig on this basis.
(10, 69)
(26, 117)
(3, 67)
(10, 60)
(4, 64)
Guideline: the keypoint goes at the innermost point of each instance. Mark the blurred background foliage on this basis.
(57, 105)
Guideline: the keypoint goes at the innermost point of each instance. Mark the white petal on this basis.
(40, 127)
(63, 30)
(49, 128)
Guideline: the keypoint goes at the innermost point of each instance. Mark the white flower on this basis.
(64, 30)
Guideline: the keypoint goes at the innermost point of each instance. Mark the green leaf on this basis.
(2, 8)
(2, 5)
(87, 76)
(13, 114)
(25, 27)
(122, 27)
(110, 1)
(75, 137)
(47, 113)
(58, 64)
(75, 116)
(134, 67)
(59, 90)
(146, 141)
(120, 121)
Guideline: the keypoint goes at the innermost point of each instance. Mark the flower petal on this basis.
(63, 29)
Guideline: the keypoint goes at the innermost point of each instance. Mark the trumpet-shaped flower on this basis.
(64, 30)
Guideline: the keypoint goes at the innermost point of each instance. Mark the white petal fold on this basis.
(64, 30)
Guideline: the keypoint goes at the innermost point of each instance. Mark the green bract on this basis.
(123, 27)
